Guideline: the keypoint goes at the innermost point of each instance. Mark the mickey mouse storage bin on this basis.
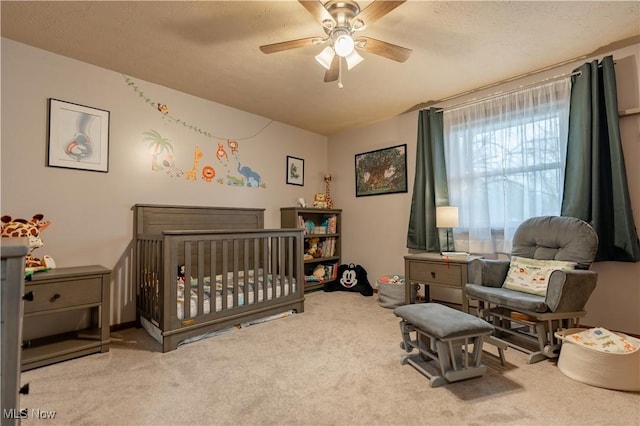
(600, 358)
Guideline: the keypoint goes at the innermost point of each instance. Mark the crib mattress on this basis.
(257, 291)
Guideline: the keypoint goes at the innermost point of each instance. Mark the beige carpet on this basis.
(337, 363)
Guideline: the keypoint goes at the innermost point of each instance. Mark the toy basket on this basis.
(611, 370)
(391, 291)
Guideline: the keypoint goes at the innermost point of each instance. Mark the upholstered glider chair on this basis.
(543, 288)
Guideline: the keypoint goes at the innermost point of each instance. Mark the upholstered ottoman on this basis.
(443, 335)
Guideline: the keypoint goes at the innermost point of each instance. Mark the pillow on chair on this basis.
(532, 275)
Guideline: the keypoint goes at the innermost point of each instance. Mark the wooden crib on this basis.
(202, 269)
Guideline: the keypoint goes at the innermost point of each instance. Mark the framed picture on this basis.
(383, 171)
(78, 137)
(295, 171)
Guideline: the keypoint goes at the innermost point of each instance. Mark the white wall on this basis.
(90, 211)
(375, 227)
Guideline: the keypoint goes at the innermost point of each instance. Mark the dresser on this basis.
(432, 269)
(82, 292)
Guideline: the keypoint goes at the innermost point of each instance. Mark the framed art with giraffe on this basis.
(78, 137)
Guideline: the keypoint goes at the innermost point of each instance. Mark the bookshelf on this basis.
(322, 227)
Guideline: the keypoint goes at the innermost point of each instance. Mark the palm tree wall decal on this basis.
(158, 145)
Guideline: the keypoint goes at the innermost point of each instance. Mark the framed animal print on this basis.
(383, 171)
(78, 137)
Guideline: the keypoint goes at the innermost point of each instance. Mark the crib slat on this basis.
(275, 249)
(201, 275)
(289, 258)
(281, 266)
(236, 278)
(213, 273)
(225, 270)
(256, 269)
(265, 267)
(245, 269)
(155, 251)
(188, 273)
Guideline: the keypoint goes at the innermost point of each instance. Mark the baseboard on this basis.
(122, 326)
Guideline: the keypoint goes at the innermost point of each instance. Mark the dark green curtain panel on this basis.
(595, 184)
(430, 183)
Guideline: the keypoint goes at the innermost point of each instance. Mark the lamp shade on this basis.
(353, 59)
(325, 57)
(446, 217)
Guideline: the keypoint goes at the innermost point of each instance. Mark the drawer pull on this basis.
(28, 296)
(433, 274)
(54, 297)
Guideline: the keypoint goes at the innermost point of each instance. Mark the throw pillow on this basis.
(532, 275)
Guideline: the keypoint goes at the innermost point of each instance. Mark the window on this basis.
(505, 162)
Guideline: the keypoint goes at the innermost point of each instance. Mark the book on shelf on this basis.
(330, 224)
(330, 274)
(329, 247)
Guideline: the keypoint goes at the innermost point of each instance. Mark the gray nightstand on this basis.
(434, 269)
(63, 290)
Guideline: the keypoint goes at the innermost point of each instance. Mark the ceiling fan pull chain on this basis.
(340, 85)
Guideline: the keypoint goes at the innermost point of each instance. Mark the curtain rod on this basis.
(508, 80)
(508, 92)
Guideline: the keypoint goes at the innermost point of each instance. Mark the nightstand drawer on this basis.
(435, 273)
(63, 294)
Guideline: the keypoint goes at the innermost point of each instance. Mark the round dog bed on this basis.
(611, 370)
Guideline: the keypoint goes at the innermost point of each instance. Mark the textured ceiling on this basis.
(210, 49)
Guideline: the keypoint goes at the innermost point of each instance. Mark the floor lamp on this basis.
(447, 217)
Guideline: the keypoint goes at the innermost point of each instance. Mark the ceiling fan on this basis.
(340, 21)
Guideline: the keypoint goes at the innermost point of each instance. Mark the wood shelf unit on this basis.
(295, 217)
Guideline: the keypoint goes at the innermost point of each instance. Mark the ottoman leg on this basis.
(407, 344)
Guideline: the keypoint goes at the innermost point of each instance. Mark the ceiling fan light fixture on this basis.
(357, 25)
(344, 45)
(325, 57)
(353, 59)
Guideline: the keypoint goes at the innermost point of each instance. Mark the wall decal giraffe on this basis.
(197, 155)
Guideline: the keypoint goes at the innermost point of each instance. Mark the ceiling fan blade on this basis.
(333, 72)
(382, 48)
(319, 12)
(376, 10)
(291, 44)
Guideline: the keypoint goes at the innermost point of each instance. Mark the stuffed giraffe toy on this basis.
(30, 229)
(327, 191)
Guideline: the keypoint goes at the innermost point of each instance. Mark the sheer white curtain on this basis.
(505, 159)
